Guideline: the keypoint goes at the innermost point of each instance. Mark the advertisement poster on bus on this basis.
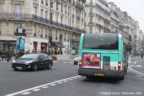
(91, 60)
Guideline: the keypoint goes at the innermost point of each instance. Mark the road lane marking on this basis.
(138, 65)
(136, 71)
(25, 93)
(45, 87)
(65, 81)
(41, 86)
(70, 79)
(137, 61)
(59, 82)
(130, 68)
(52, 85)
(36, 90)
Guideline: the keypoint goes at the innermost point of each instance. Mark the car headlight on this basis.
(29, 62)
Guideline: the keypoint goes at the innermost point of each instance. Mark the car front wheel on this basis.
(49, 66)
(35, 67)
(15, 69)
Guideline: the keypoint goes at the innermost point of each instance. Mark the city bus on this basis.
(103, 54)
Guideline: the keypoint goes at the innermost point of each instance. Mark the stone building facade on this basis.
(97, 16)
(51, 25)
(106, 17)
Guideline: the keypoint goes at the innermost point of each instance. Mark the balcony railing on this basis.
(90, 23)
(14, 16)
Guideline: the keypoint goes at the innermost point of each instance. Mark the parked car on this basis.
(76, 61)
(33, 61)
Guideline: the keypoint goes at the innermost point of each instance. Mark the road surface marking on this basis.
(137, 61)
(65, 81)
(45, 87)
(59, 82)
(52, 85)
(25, 93)
(36, 89)
(40, 86)
(130, 68)
(136, 71)
(138, 65)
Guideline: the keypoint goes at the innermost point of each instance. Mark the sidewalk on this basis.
(66, 58)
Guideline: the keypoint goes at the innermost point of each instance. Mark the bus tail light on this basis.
(80, 63)
(119, 65)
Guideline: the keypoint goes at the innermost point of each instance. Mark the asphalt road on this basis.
(62, 80)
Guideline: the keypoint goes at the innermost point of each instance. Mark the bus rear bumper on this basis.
(100, 72)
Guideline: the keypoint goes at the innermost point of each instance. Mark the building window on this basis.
(65, 9)
(17, 9)
(90, 20)
(61, 7)
(65, 21)
(42, 32)
(34, 31)
(90, 29)
(51, 16)
(35, 10)
(41, 12)
(56, 4)
(61, 20)
(46, 2)
(56, 35)
(0, 29)
(56, 17)
(46, 15)
(51, 3)
(0, 8)
(69, 10)
(65, 37)
(91, 1)
(42, 1)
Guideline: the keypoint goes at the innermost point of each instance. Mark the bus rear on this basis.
(101, 55)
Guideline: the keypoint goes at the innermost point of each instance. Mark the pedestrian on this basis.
(3, 55)
(7, 53)
(142, 54)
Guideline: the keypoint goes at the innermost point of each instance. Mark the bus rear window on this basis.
(100, 41)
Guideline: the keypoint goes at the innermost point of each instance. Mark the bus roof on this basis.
(101, 34)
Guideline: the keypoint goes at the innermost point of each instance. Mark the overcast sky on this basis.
(135, 9)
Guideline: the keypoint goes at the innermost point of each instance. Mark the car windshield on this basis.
(30, 56)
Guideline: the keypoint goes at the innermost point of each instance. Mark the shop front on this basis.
(7, 45)
(44, 47)
(35, 47)
(74, 45)
(56, 48)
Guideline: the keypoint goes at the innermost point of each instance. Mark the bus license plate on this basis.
(99, 74)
